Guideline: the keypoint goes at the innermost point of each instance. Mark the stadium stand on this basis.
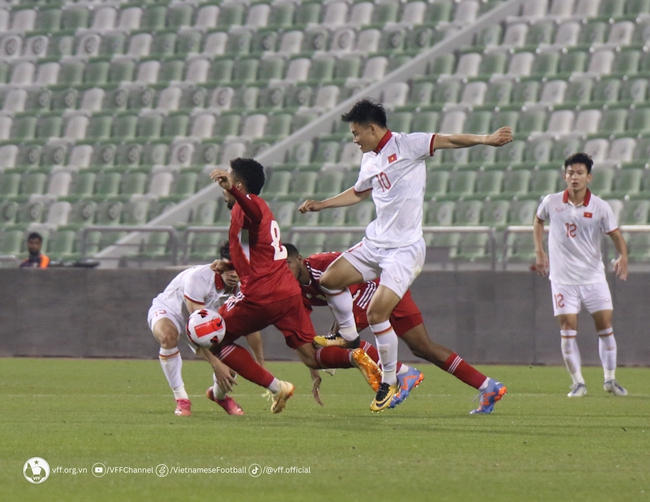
(114, 114)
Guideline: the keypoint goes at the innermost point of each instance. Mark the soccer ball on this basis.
(206, 327)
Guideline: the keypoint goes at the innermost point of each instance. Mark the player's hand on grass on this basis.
(310, 205)
(541, 264)
(620, 267)
(500, 137)
(315, 385)
(222, 177)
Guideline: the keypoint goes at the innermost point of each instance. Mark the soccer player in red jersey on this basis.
(406, 319)
(269, 294)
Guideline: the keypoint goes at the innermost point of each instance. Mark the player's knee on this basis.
(168, 338)
(377, 316)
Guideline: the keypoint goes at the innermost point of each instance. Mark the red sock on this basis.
(463, 371)
(333, 357)
(240, 360)
(370, 349)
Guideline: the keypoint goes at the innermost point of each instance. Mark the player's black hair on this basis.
(250, 173)
(35, 235)
(292, 251)
(365, 112)
(579, 158)
(224, 250)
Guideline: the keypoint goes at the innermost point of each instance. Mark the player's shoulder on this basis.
(555, 197)
(320, 261)
(201, 272)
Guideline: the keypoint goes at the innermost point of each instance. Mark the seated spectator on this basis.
(36, 258)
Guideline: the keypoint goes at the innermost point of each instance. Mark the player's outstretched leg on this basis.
(407, 380)
(493, 392)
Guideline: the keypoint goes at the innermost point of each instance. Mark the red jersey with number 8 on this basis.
(257, 253)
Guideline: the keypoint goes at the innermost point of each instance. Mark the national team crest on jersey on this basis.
(392, 158)
(589, 215)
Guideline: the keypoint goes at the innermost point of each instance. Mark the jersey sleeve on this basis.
(363, 183)
(195, 287)
(542, 210)
(249, 205)
(608, 220)
(419, 145)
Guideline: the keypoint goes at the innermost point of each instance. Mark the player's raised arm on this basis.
(499, 137)
(541, 258)
(620, 265)
(347, 198)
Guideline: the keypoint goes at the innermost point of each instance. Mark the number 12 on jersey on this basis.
(280, 250)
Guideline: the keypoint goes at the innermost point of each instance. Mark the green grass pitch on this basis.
(537, 445)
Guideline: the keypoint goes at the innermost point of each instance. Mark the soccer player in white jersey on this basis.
(393, 172)
(578, 221)
(195, 288)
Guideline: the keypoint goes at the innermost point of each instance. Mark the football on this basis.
(205, 327)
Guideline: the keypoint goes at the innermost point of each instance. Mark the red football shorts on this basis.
(405, 316)
(288, 315)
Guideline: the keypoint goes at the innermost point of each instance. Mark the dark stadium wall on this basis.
(486, 317)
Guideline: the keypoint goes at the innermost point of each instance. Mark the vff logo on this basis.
(36, 470)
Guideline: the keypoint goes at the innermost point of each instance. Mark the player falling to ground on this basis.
(578, 221)
(394, 174)
(407, 322)
(269, 294)
(195, 288)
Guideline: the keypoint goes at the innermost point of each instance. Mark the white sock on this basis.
(607, 351)
(275, 386)
(403, 369)
(172, 363)
(218, 393)
(340, 302)
(387, 348)
(571, 355)
(484, 384)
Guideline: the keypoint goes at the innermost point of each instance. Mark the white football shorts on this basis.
(567, 298)
(159, 311)
(396, 268)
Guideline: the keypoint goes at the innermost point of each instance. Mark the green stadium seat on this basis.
(526, 91)
(425, 121)
(515, 182)
(11, 242)
(360, 215)
(478, 122)
(49, 126)
(9, 184)
(601, 182)
(544, 181)
(153, 18)
(627, 182)
(124, 127)
(634, 90)
(574, 61)
(437, 182)
(133, 183)
(490, 36)
(611, 8)
(545, 64)
(163, 44)
(60, 45)
(638, 247)
(635, 212)
(635, 7)
(121, 71)
(522, 212)
(443, 64)
(626, 63)
(74, 18)
(8, 212)
(531, 121)
(579, 91)
(538, 151)
(540, 33)
(461, 183)
(592, 33)
(439, 213)
(277, 184)
(447, 91)
(204, 246)
(281, 15)
(467, 212)
(482, 155)
(309, 243)
(488, 183)
(498, 93)
(493, 63)
(83, 184)
(62, 245)
(33, 183)
(520, 248)
(48, 19)
(23, 127)
(563, 148)
(638, 120)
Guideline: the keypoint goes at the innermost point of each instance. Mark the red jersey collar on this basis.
(585, 202)
(383, 141)
(218, 282)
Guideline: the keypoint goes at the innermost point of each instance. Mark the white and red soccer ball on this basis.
(206, 327)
